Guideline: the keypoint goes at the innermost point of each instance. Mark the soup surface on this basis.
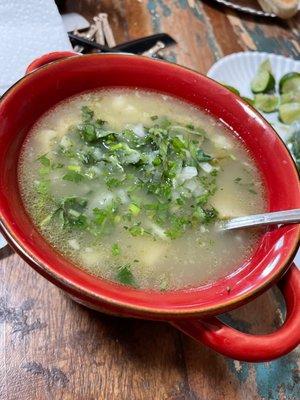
(131, 186)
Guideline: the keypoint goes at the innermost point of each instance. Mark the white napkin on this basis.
(28, 29)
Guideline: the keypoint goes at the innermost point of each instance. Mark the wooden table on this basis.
(52, 348)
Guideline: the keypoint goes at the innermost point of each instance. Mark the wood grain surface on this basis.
(52, 349)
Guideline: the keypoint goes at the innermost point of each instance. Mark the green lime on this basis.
(290, 97)
(263, 82)
(266, 102)
(290, 83)
(289, 112)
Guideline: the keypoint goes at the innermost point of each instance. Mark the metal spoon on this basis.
(271, 218)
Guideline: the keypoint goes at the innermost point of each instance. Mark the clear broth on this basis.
(202, 254)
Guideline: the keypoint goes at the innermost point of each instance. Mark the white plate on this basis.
(2, 242)
(238, 69)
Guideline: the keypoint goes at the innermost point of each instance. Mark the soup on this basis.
(131, 186)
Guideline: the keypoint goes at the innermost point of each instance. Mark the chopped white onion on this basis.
(130, 109)
(91, 257)
(175, 194)
(194, 186)
(191, 185)
(203, 229)
(206, 167)
(221, 142)
(118, 102)
(139, 130)
(96, 170)
(187, 173)
(98, 153)
(157, 230)
(44, 139)
(65, 142)
(122, 195)
(133, 157)
(74, 244)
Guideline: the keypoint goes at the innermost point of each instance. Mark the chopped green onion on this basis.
(115, 249)
(134, 209)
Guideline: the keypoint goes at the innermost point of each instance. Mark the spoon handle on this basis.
(271, 218)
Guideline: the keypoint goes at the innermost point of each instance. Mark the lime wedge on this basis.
(263, 82)
(289, 113)
(290, 97)
(266, 102)
(265, 66)
(290, 83)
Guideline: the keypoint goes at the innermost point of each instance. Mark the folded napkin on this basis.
(28, 29)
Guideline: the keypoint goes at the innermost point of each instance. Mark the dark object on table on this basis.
(136, 46)
(87, 44)
(145, 43)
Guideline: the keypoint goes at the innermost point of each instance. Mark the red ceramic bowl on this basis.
(192, 310)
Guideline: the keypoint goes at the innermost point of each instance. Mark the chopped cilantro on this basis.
(178, 143)
(57, 166)
(87, 113)
(100, 216)
(70, 212)
(134, 209)
(125, 276)
(250, 190)
(42, 187)
(76, 168)
(178, 227)
(134, 169)
(190, 126)
(165, 123)
(44, 160)
(73, 176)
(202, 157)
(211, 215)
(180, 201)
(88, 132)
(136, 230)
(157, 161)
(112, 182)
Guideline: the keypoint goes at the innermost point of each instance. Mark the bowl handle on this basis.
(246, 347)
(49, 57)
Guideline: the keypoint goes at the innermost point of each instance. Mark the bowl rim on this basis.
(186, 311)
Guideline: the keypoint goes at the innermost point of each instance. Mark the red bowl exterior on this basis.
(31, 97)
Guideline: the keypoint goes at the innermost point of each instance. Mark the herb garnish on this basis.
(125, 276)
(115, 249)
(160, 184)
